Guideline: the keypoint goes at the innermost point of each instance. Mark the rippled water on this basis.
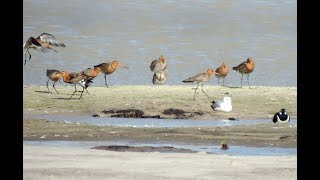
(193, 35)
(214, 148)
(146, 122)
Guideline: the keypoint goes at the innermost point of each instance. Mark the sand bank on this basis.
(257, 135)
(55, 163)
(257, 102)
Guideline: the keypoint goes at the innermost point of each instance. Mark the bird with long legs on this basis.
(200, 79)
(158, 66)
(44, 42)
(109, 68)
(245, 67)
(76, 78)
(53, 75)
(223, 71)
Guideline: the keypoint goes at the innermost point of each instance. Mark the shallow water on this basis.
(213, 149)
(193, 35)
(146, 122)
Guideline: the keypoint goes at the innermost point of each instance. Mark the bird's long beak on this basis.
(123, 66)
(216, 73)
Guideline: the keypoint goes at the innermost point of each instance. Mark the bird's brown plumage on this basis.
(159, 78)
(76, 78)
(43, 42)
(158, 65)
(223, 71)
(245, 67)
(53, 75)
(109, 68)
(200, 79)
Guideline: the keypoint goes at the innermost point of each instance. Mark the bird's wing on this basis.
(36, 45)
(153, 64)
(197, 78)
(45, 37)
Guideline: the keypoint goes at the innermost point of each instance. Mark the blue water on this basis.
(211, 149)
(193, 35)
(154, 123)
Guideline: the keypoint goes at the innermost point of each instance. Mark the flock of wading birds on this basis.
(45, 42)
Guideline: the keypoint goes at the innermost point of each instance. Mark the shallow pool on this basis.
(154, 123)
(211, 149)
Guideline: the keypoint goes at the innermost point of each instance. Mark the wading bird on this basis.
(245, 67)
(44, 42)
(223, 71)
(53, 75)
(158, 66)
(200, 79)
(77, 78)
(109, 68)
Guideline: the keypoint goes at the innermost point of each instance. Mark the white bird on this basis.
(224, 105)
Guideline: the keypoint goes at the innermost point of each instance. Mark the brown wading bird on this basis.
(200, 79)
(245, 67)
(159, 78)
(109, 68)
(77, 78)
(44, 42)
(158, 66)
(53, 75)
(223, 71)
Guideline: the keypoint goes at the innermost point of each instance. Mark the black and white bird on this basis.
(281, 117)
(44, 42)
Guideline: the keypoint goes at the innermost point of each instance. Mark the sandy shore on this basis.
(55, 163)
(257, 135)
(257, 102)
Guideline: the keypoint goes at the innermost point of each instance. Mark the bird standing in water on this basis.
(109, 68)
(44, 42)
(200, 79)
(245, 67)
(53, 75)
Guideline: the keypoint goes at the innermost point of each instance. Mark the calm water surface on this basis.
(212, 149)
(153, 123)
(193, 35)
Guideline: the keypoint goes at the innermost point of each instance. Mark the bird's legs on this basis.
(82, 92)
(105, 80)
(75, 90)
(25, 58)
(195, 90)
(204, 92)
(47, 85)
(218, 80)
(241, 79)
(223, 82)
(54, 87)
(87, 91)
(248, 80)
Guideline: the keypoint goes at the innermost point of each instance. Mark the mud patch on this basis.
(129, 113)
(165, 149)
(177, 112)
(181, 114)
